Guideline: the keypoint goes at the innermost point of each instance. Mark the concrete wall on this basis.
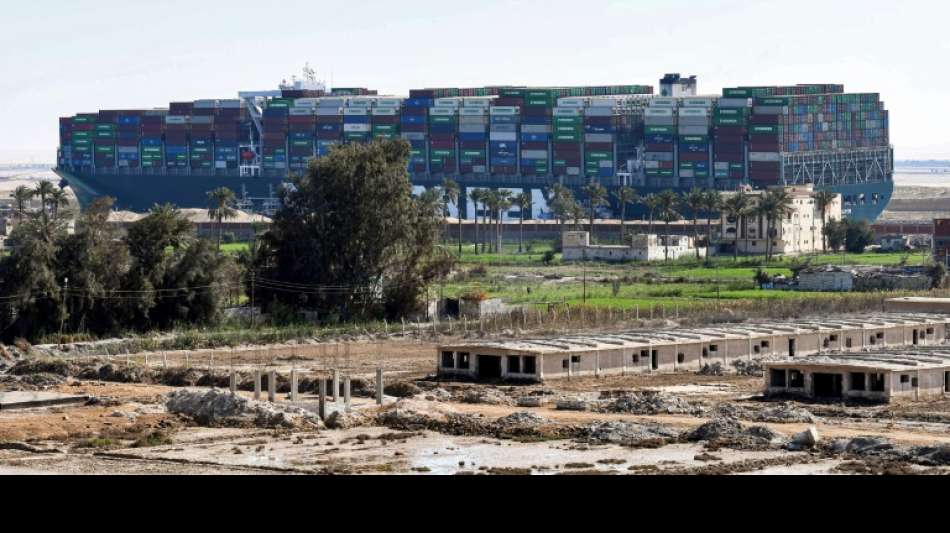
(918, 305)
(826, 281)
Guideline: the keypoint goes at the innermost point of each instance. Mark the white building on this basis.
(800, 233)
(577, 247)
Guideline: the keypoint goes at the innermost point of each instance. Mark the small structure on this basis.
(800, 233)
(895, 243)
(244, 226)
(577, 247)
(832, 278)
(684, 350)
(883, 377)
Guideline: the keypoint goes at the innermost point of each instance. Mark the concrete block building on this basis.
(885, 376)
(577, 247)
(685, 350)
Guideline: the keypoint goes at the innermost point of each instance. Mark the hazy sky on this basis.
(61, 57)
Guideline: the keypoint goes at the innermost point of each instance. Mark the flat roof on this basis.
(636, 339)
(937, 358)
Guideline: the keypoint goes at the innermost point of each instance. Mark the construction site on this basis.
(843, 395)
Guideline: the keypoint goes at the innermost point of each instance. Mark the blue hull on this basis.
(139, 193)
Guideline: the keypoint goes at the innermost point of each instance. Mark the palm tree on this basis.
(56, 200)
(477, 196)
(668, 201)
(775, 205)
(823, 200)
(524, 203)
(450, 195)
(652, 203)
(44, 190)
(221, 208)
(491, 201)
(22, 195)
(624, 195)
(503, 203)
(596, 197)
(736, 207)
(694, 201)
(561, 201)
(712, 205)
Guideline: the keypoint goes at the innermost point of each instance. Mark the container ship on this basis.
(517, 138)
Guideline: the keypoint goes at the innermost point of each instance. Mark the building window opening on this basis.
(915, 383)
(530, 365)
(448, 360)
(566, 364)
(778, 379)
(880, 336)
(796, 379)
(873, 341)
(465, 361)
(905, 380)
(877, 382)
(930, 331)
(827, 343)
(514, 365)
(834, 338)
(849, 343)
(575, 360)
(757, 349)
(766, 345)
(858, 382)
(680, 358)
(705, 353)
(655, 360)
(713, 348)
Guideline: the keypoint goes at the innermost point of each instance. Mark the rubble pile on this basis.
(752, 369)
(651, 403)
(214, 408)
(785, 413)
(629, 434)
(726, 431)
(715, 369)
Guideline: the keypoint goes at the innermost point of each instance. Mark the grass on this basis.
(153, 439)
(235, 248)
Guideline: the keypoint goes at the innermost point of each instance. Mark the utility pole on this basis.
(253, 312)
(62, 315)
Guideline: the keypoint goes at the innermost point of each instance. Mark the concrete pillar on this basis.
(257, 385)
(294, 389)
(336, 386)
(233, 381)
(272, 386)
(323, 399)
(347, 394)
(379, 386)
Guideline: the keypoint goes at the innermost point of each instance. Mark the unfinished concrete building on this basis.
(685, 350)
(921, 374)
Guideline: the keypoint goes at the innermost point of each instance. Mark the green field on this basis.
(525, 279)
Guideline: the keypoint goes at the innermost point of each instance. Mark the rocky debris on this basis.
(44, 366)
(881, 455)
(343, 420)
(931, 456)
(530, 401)
(485, 396)
(786, 413)
(715, 369)
(629, 434)
(651, 403)
(749, 368)
(402, 390)
(520, 420)
(438, 395)
(572, 404)
(806, 440)
(413, 415)
(124, 374)
(217, 408)
(728, 432)
(862, 446)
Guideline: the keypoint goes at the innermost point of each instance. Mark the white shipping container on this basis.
(206, 104)
(301, 111)
(389, 102)
(332, 102)
(658, 112)
(770, 110)
(229, 104)
(603, 102)
(573, 171)
(599, 112)
(599, 138)
(534, 154)
(355, 112)
(413, 136)
(442, 112)
(472, 111)
(472, 128)
(567, 112)
(535, 128)
(694, 112)
(572, 102)
(505, 128)
(721, 166)
(653, 165)
(356, 128)
(329, 111)
(479, 168)
(201, 119)
(607, 164)
(765, 157)
(733, 103)
(478, 103)
(687, 173)
(694, 130)
(176, 119)
(362, 102)
(384, 112)
(501, 136)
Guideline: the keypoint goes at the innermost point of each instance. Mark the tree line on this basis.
(95, 281)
